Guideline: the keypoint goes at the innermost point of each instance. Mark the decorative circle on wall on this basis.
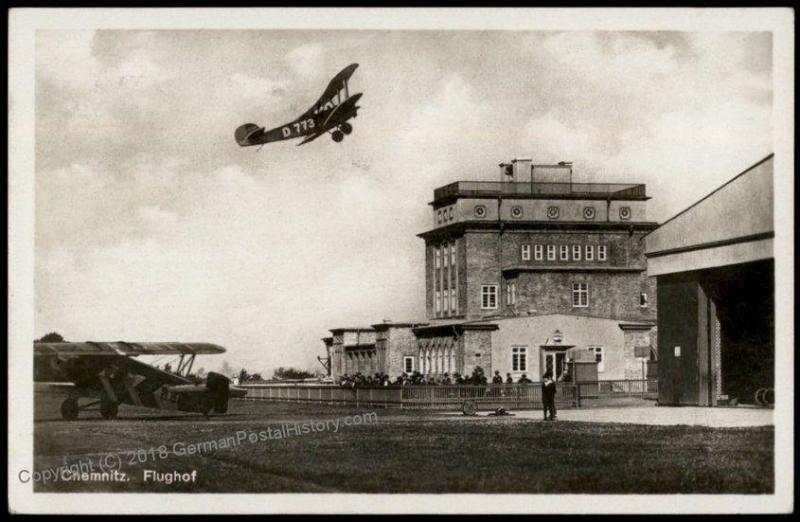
(625, 213)
(516, 212)
(480, 211)
(552, 212)
(588, 212)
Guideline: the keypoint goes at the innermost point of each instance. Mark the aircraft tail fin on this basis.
(249, 134)
(219, 386)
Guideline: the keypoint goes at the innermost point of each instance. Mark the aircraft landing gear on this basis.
(109, 409)
(337, 136)
(69, 409)
(346, 128)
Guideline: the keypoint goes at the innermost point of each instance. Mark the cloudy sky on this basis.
(152, 224)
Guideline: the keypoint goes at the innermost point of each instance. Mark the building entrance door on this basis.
(554, 362)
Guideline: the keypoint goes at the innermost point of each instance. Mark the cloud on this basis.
(306, 59)
(152, 224)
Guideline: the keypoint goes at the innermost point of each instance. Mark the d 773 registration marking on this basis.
(299, 126)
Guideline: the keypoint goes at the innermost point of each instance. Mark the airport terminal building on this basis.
(522, 275)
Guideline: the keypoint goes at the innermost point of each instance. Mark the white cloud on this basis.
(153, 224)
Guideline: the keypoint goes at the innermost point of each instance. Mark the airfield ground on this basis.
(402, 452)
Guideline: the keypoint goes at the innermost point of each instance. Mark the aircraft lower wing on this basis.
(311, 138)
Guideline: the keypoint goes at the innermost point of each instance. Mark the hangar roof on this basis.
(731, 225)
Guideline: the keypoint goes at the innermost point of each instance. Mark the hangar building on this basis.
(714, 268)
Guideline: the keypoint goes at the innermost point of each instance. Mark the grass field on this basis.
(405, 452)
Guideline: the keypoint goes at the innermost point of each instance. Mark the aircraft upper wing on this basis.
(333, 88)
(124, 348)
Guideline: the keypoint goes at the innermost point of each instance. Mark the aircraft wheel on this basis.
(346, 128)
(69, 409)
(337, 136)
(109, 409)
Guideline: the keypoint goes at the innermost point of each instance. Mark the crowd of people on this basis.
(478, 377)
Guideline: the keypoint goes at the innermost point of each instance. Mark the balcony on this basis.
(471, 189)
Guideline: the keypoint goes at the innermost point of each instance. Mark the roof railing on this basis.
(506, 188)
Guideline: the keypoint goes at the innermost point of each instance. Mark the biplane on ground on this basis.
(329, 114)
(107, 374)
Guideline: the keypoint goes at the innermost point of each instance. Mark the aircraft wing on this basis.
(122, 348)
(333, 88)
(311, 137)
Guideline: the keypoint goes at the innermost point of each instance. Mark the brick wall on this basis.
(401, 343)
(612, 294)
(481, 269)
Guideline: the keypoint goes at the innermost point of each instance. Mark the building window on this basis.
(537, 252)
(438, 301)
(576, 252)
(526, 252)
(446, 301)
(439, 216)
(445, 257)
(580, 295)
(436, 260)
(408, 364)
(551, 252)
(450, 213)
(598, 356)
(519, 358)
(453, 254)
(564, 251)
(601, 252)
(643, 300)
(511, 293)
(453, 302)
(489, 296)
(590, 252)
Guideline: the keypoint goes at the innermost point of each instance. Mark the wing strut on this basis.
(185, 365)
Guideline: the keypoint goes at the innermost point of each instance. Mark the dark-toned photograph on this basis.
(279, 259)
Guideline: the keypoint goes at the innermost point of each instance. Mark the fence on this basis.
(453, 397)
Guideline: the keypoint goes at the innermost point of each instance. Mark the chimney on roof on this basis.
(522, 169)
(506, 172)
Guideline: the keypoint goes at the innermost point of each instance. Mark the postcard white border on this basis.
(22, 26)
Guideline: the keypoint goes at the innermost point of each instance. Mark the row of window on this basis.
(580, 295)
(442, 303)
(578, 251)
(441, 257)
(445, 296)
(519, 360)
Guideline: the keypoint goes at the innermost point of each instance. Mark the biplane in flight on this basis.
(329, 114)
(107, 374)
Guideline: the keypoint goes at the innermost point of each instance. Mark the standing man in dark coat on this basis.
(549, 395)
